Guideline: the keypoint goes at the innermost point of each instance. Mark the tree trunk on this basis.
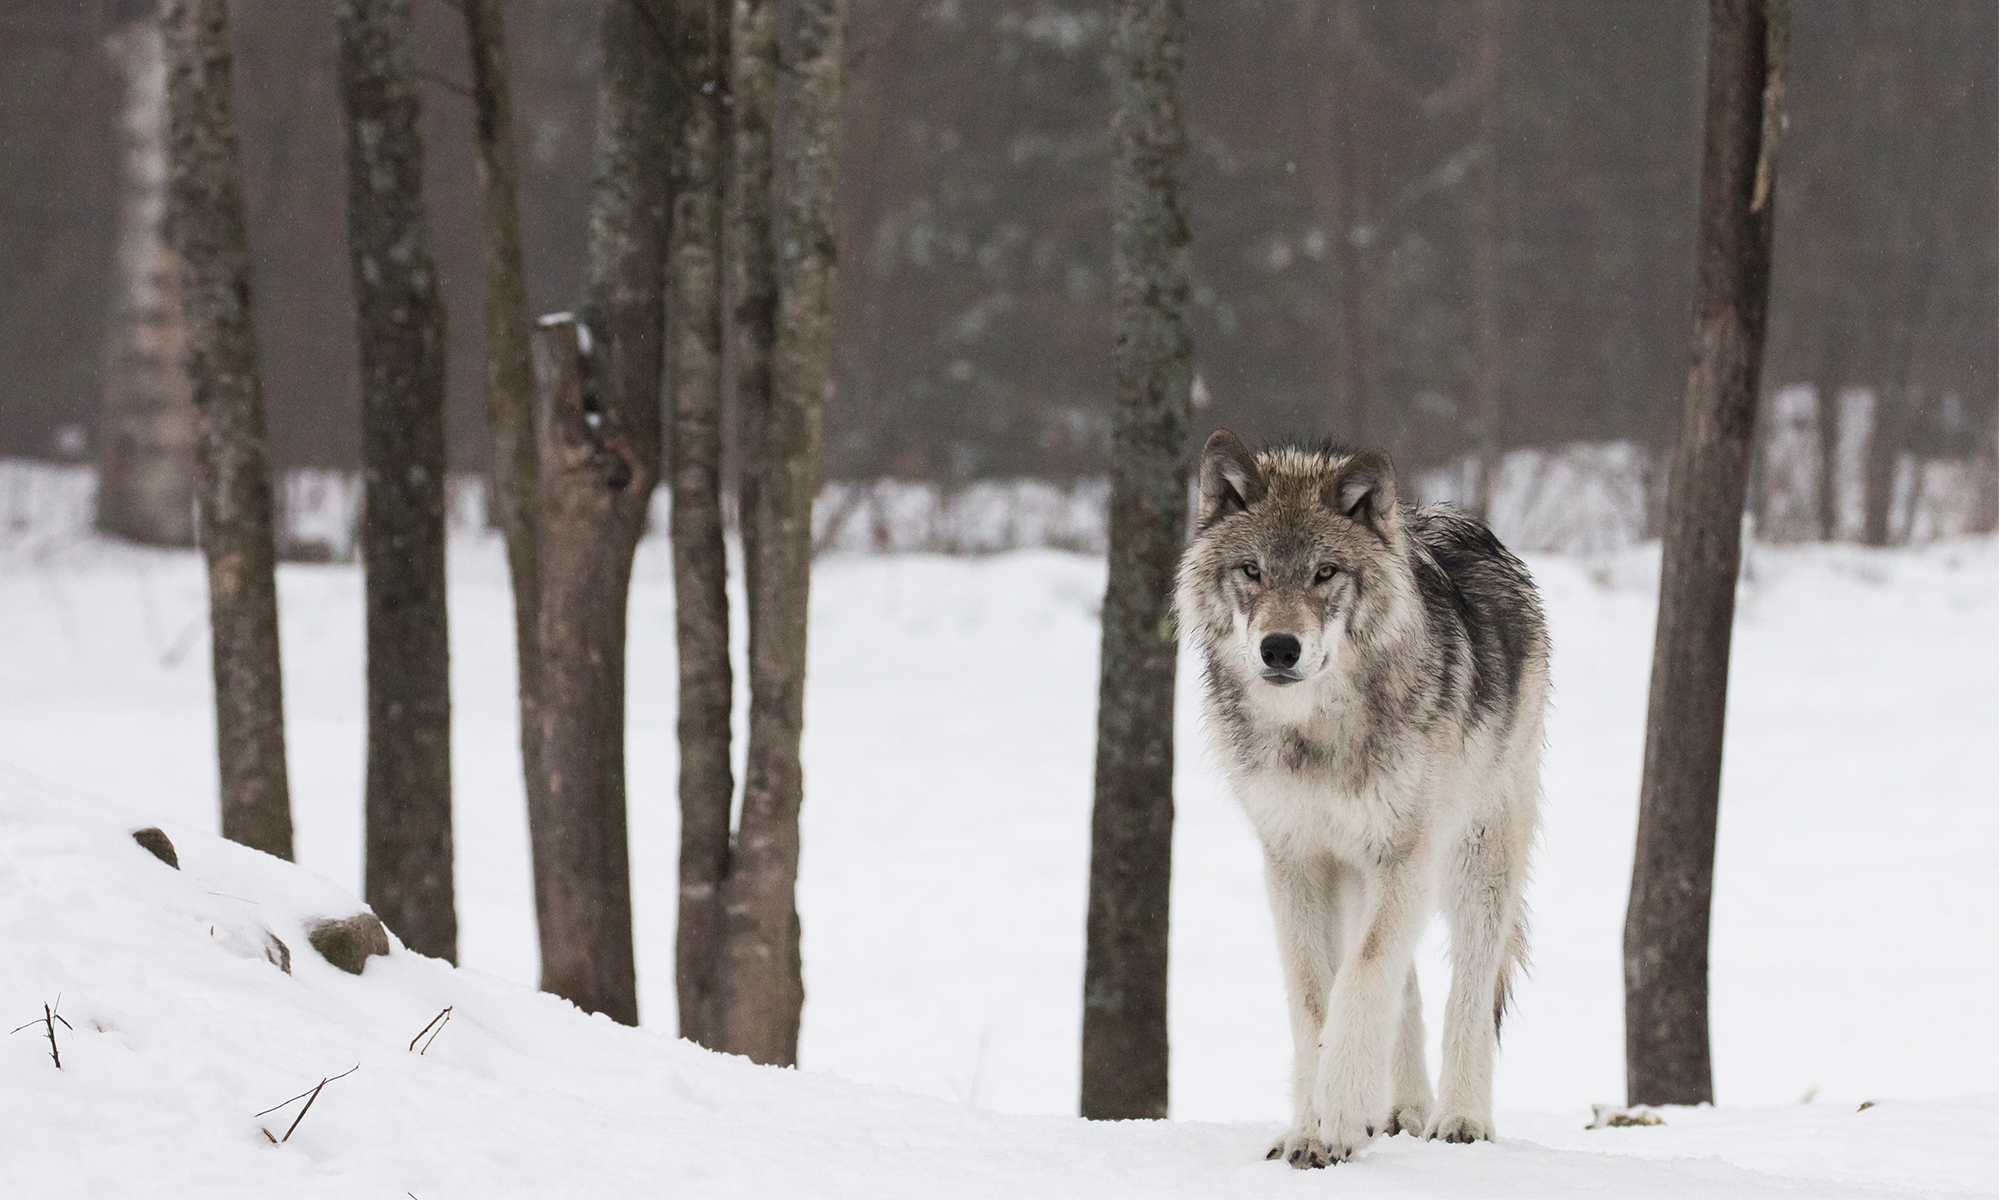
(402, 331)
(598, 451)
(1827, 498)
(510, 370)
(1488, 354)
(751, 251)
(1666, 924)
(1878, 464)
(146, 423)
(591, 505)
(701, 572)
(763, 990)
(1132, 818)
(205, 206)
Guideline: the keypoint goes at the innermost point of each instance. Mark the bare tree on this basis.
(762, 986)
(146, 429)
(510, 370)
(401, 327)
(205, 215)
(701, 602)
(1132, 818)
(598, 451)
(1666, 923)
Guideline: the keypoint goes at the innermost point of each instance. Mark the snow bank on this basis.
(174, 1042)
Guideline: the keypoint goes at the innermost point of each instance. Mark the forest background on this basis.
(1441, 227)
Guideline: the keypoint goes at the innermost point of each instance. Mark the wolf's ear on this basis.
(1363, 490)
(1230, 478)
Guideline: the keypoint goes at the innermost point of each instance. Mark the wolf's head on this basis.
(1296, 551)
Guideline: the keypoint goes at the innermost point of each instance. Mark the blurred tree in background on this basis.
(1327, 211)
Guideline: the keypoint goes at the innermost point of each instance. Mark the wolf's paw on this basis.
(1411, 1117)
(1341, 1137)
(1459, 1127)
(1301, 1150)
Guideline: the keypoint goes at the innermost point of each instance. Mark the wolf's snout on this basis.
(1280, 651)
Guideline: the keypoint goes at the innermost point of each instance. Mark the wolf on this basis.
(1376, 680)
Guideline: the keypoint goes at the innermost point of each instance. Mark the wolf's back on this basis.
(1476, 592)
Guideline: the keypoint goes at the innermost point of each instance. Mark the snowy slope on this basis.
(178, 1040)
(948, 752)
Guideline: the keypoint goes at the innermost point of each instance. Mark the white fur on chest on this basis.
(1304, 815)
(1327, 803)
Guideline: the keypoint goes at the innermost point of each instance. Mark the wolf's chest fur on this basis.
(1315, 774)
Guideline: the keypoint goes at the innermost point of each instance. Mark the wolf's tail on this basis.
(1513, 958)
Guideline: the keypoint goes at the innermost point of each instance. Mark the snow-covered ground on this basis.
(1856, 946)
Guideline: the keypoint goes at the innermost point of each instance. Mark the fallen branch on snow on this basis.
(308, 1096)
(440, 1021)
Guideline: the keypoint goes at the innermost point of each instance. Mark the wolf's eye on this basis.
(1251, 570)
(1326, 572)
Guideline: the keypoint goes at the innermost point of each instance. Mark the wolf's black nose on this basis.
(1280, 650)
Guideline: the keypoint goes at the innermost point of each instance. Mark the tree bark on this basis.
(762, 985)
(402, 331)
(1666, 923)
(591, 485)
(598, 453)
(1132, 818)
(701, 572)
(205, 208)
(510, 370)
(147, 426)
(751, 251)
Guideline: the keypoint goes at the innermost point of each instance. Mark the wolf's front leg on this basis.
(1304, 903)
(1482, 907)
(1365, 1011)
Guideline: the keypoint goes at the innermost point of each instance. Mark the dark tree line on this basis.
(975, 203)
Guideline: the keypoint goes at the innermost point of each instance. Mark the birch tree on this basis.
(1132, 815)
(1667, 919)
(401, 329)
(205, 215)
(147, 429)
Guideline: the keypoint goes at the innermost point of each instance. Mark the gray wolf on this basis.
(1376, 681)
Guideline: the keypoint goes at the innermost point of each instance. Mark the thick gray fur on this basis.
(1392, 770)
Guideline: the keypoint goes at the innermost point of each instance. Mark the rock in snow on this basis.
(348, 942)
(154, 839)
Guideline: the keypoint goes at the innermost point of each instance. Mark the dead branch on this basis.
(308, 1096)
(440, 1021)
(48, 1021)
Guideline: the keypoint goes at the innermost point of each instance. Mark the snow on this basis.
(1856, 948)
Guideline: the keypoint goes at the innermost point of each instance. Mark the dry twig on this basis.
(308, 1096)
(49, 1018)
(440, 1021)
